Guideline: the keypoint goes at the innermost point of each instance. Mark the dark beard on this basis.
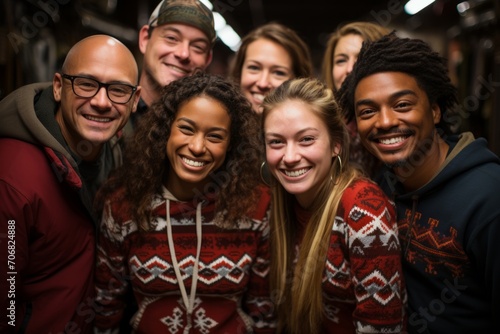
(398, 164)
(418, 157)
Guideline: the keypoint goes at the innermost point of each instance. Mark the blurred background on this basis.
(35, 36)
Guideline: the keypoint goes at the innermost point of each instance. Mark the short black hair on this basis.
(411, 56)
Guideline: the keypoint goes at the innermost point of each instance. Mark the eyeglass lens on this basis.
(86, 87)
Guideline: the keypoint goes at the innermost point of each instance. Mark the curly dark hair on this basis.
(411, 56)
(146, 164)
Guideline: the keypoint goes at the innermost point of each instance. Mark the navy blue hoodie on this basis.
(450, 236)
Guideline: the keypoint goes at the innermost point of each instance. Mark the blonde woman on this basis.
(335, 255)
(341, 53)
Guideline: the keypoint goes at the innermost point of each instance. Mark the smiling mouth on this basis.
(193, 163)
(392, 141)
(178, 69)
(98, 119)
(296, 173)
(258, 97)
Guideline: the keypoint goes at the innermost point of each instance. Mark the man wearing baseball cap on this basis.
(177, 40)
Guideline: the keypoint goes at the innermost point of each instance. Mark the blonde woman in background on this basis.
(341, 53)
(268, 56)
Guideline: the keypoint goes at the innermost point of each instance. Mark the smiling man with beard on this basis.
(445, 186)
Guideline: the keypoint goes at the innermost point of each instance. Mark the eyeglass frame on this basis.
(99, 86)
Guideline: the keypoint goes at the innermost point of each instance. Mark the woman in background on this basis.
(341, 52)
(335, 255)
(185, 219)
(268, 56)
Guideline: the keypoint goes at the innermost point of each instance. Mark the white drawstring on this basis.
(188, 302)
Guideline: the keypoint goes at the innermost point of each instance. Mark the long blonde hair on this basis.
(298, 290)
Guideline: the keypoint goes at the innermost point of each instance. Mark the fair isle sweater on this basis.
(363, 286)
(232, 293)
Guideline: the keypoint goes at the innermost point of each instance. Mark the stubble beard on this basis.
(414, 159)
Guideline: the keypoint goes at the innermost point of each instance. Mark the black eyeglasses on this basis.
(87, 87)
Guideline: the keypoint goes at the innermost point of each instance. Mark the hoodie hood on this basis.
(448, 231)
(19, 119)
(466, 154)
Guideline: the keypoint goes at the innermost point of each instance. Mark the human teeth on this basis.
(193, 163)
(98, 119)
(391, 141)
(259, 97)
(178, 69)
(295, 173)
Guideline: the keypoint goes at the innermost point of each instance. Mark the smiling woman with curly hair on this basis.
(185, 219)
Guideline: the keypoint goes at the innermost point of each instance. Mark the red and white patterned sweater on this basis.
(232, 293)
(363, 286)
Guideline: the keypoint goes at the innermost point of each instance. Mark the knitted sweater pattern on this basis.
(363, 286)
(232, 294)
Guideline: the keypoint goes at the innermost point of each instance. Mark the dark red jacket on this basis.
(51, 241)
(47, 240)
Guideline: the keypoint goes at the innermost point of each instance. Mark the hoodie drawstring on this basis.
(188, 301)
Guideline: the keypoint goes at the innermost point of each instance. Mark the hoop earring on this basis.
(340, 163)
(340, 169)
(265, 174)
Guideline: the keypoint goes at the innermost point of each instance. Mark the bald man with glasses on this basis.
(58, 143)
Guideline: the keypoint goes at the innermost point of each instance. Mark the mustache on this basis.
(401, 132)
